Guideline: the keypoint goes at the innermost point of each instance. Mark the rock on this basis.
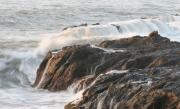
(153, 41)
(177, 14)
(81, 25)
(131, 90)
(96, 24)
(73, 63)
(129, 73)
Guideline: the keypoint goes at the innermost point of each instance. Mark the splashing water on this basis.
(29, 29)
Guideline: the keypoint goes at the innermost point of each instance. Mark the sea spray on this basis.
(97, 33)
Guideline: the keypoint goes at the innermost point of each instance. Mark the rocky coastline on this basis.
(140, 72)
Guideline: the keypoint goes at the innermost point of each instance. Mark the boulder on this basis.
(150, 88)
(128, 73)
(62, 68)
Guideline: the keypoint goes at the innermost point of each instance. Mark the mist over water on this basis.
(30, 28)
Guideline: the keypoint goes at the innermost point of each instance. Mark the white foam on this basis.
(25, 61)
(108, 50)
(30, 60)
(77, 97)
(2, 64)
(22, 16)
(117, 71)
(101, 102)
(94, 34)
(144, 26)
(137, 82)
(29, 98)
(149, 83)
(78, 35)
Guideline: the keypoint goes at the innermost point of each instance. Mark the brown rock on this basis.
(152, 79)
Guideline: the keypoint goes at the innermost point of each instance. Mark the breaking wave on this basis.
(18, 67)
(167, 27)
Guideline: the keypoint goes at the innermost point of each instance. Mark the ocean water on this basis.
(30, 28)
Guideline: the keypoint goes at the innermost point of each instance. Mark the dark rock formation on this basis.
(81, 25)
(150, 82)
(155, 88)
(153, 41)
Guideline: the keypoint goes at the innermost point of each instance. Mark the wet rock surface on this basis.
(150, 88)
(129, 73)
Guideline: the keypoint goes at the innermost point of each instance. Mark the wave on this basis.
(167, 26)
(18, 67)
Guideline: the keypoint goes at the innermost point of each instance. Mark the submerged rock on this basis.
(129, 73)
(81, 25)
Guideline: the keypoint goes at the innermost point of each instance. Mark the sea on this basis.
(31, 28)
